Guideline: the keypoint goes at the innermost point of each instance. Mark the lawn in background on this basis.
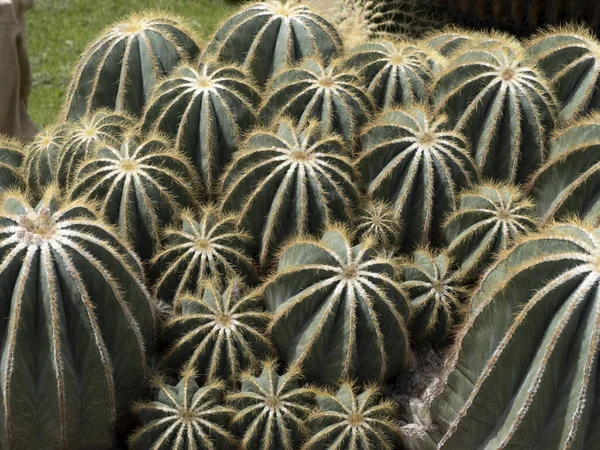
(59, 30)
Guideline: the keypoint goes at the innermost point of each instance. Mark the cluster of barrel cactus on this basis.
(248, 245)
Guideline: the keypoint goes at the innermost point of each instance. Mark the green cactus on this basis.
(488, 220)
(351, 419)
(219, 335)
(270, 36)
(272, 409)
(207, 245)
(141, 185)
(119, 70)
(452, 40)
(287, 182)
(206, 110)
(397, 73)
(411, 160)
(378, 220)
(333, 95)
(338, 313)
(12, 155)
(76, 322)
(502, 104)
(83, 137)
(185, 416)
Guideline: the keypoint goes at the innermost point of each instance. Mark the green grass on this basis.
(59, 30)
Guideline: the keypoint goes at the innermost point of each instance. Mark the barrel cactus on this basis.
(119, 70)
(413, 161)
(502, 104)
(83, 137)
(208, 245)
(338, 313)
(220, 334)
(185, 416)
(141, 184)
(352, 419)
(488, 220)
(11, 164)
(206, 110)
(76, 323)
(378, 220)
(397, 73)
(333, 95)
(289, 181)
(272, 409)
(452, 40)
(269, 36)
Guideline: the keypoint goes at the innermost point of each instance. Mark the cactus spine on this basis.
(11, 164)
(378, 220)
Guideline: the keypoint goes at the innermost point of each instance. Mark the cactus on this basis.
(502, 104)
(119, 70)
(272, 409)
(76, 323)
(83, 137)
(523, 371)
(141, 186)
(11, 164)
(333, 95)
(206, 110)
(570, 58)
(270, 36)
(378, 220)
(411, 160)
(488, 220)
(397, 73)
(219, 335)
(436, 294)
(338, 313)
(207, 245)
(185, 416)
(451, 40)
(290, 181)
(351, 419)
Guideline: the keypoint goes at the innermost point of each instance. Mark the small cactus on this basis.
(377, 220)
(12, 155)
(451, 40)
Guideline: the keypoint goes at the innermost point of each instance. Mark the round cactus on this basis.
(287, 182)
(338, 313)
(397, 73)
(451, 40)
(272, 409)
(378, 220)
(219, 335)
(332, 95)
(502, 105)
(83, 137)
(76, 323)
(141, 186)
(488, 220)
(350, 419)
(207, 245)
(119, 70)
(267, 37)
(411, 160)
(185, 416)
(11, 164)
(206, 110)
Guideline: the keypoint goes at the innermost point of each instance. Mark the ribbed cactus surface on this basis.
(12, 155)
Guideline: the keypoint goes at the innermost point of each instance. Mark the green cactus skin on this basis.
(75, 325)
(524, 369)
(412, 161)
(351, 419)
(119, 70)
(503, 106)
(452, 40)
(83, 137)
(141, 186)
(185, 417)
(270, 36)
(436, 294)
(206, 110)
(378, 220)
(206, 246)
(333, 95)
(488, 220)
(12, 155)
(570, 58)
(397, 73)
(272, 409)
(287, 182)
(219, 335)
(338, 313)
(566, 184)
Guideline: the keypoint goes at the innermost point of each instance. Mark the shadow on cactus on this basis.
(12, 156)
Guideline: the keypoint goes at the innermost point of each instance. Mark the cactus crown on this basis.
(378, 220)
